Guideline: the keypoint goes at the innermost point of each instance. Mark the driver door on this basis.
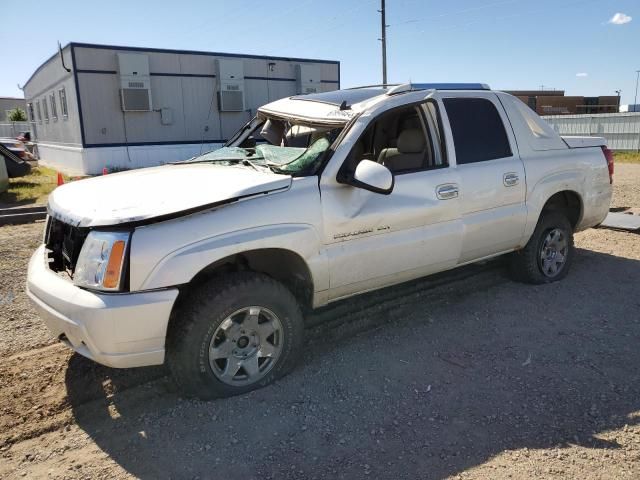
(373, 240)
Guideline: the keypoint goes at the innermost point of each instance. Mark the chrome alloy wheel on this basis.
(246, 346)
(553, 252)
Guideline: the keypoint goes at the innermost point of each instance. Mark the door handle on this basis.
(510, 179)
(447, 192)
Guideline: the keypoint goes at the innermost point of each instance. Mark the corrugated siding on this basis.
(622, 130)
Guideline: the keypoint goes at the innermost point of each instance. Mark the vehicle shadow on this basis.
(413, 381)
(10, 199)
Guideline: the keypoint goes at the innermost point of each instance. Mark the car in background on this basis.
(17, 147)
(4, 178)
(15, 156)
(24, 136)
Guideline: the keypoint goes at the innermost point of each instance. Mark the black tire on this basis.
(198, 317)
(526, 264)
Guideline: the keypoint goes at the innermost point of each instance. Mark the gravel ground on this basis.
(20, 328)
(626, 194)
(463, 375)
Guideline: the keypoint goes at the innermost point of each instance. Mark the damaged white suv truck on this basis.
(209, 264)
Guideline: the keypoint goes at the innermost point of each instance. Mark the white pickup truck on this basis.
(209, 264)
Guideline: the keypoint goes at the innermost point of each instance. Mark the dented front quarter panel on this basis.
(173, 252)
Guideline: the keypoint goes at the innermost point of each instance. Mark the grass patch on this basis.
(32, 188)
(627, 157)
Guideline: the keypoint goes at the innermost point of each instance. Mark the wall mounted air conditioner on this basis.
(230, 85)
(307, 78)
(135, 82)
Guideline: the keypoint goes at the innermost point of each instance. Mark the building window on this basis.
(54, 109)
(63, 102)
(30, 112)
(478, 132)
(39, 111)
(45, 107)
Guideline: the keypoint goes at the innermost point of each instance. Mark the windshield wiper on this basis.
(209, 160)
(249, 163)
(242, 161)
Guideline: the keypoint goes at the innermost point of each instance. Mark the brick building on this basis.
(555, 102)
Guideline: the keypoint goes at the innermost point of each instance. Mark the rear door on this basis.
(491, 173)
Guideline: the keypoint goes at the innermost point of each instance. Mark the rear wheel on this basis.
(234, 334)
(548, 255)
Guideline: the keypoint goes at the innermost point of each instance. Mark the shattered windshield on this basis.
(278, 145)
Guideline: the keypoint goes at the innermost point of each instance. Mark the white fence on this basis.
(12, 129)
(622, 130)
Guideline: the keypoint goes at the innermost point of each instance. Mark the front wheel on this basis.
(548, 255)
(234, 334)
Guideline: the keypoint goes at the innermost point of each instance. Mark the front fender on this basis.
(181, 265)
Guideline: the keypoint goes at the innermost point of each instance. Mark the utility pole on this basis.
(383, 39)
(635, 100)
(635, 105)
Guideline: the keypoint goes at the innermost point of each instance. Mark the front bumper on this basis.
(118, 330)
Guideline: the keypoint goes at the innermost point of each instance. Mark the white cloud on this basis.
(582, 74)
(620, 19)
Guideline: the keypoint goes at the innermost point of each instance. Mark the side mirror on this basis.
(374, 177)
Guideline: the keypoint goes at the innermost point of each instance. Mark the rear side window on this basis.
(478, 131)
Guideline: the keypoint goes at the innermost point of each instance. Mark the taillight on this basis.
(608, 155)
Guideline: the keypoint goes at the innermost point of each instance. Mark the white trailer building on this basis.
(96, 106)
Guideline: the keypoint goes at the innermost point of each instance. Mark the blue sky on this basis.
(510, 44)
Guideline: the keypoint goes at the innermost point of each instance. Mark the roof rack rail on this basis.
(383, 85)
(411, 87)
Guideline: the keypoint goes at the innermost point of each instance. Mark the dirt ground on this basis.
(463, 375)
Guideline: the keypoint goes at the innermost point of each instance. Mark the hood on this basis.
(148, 193)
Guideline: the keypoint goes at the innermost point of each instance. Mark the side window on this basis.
(45, 107)
(63, 102)
(398, 139)
(54, 110)
(478, 132)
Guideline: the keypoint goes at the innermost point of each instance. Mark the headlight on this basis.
(101, 261)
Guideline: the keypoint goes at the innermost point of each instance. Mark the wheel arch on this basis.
(281, 264)
(567, 201)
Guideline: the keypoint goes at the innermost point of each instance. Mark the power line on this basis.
(457, 12)
(530, 13)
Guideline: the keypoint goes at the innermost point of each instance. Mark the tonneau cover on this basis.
(581, 142)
